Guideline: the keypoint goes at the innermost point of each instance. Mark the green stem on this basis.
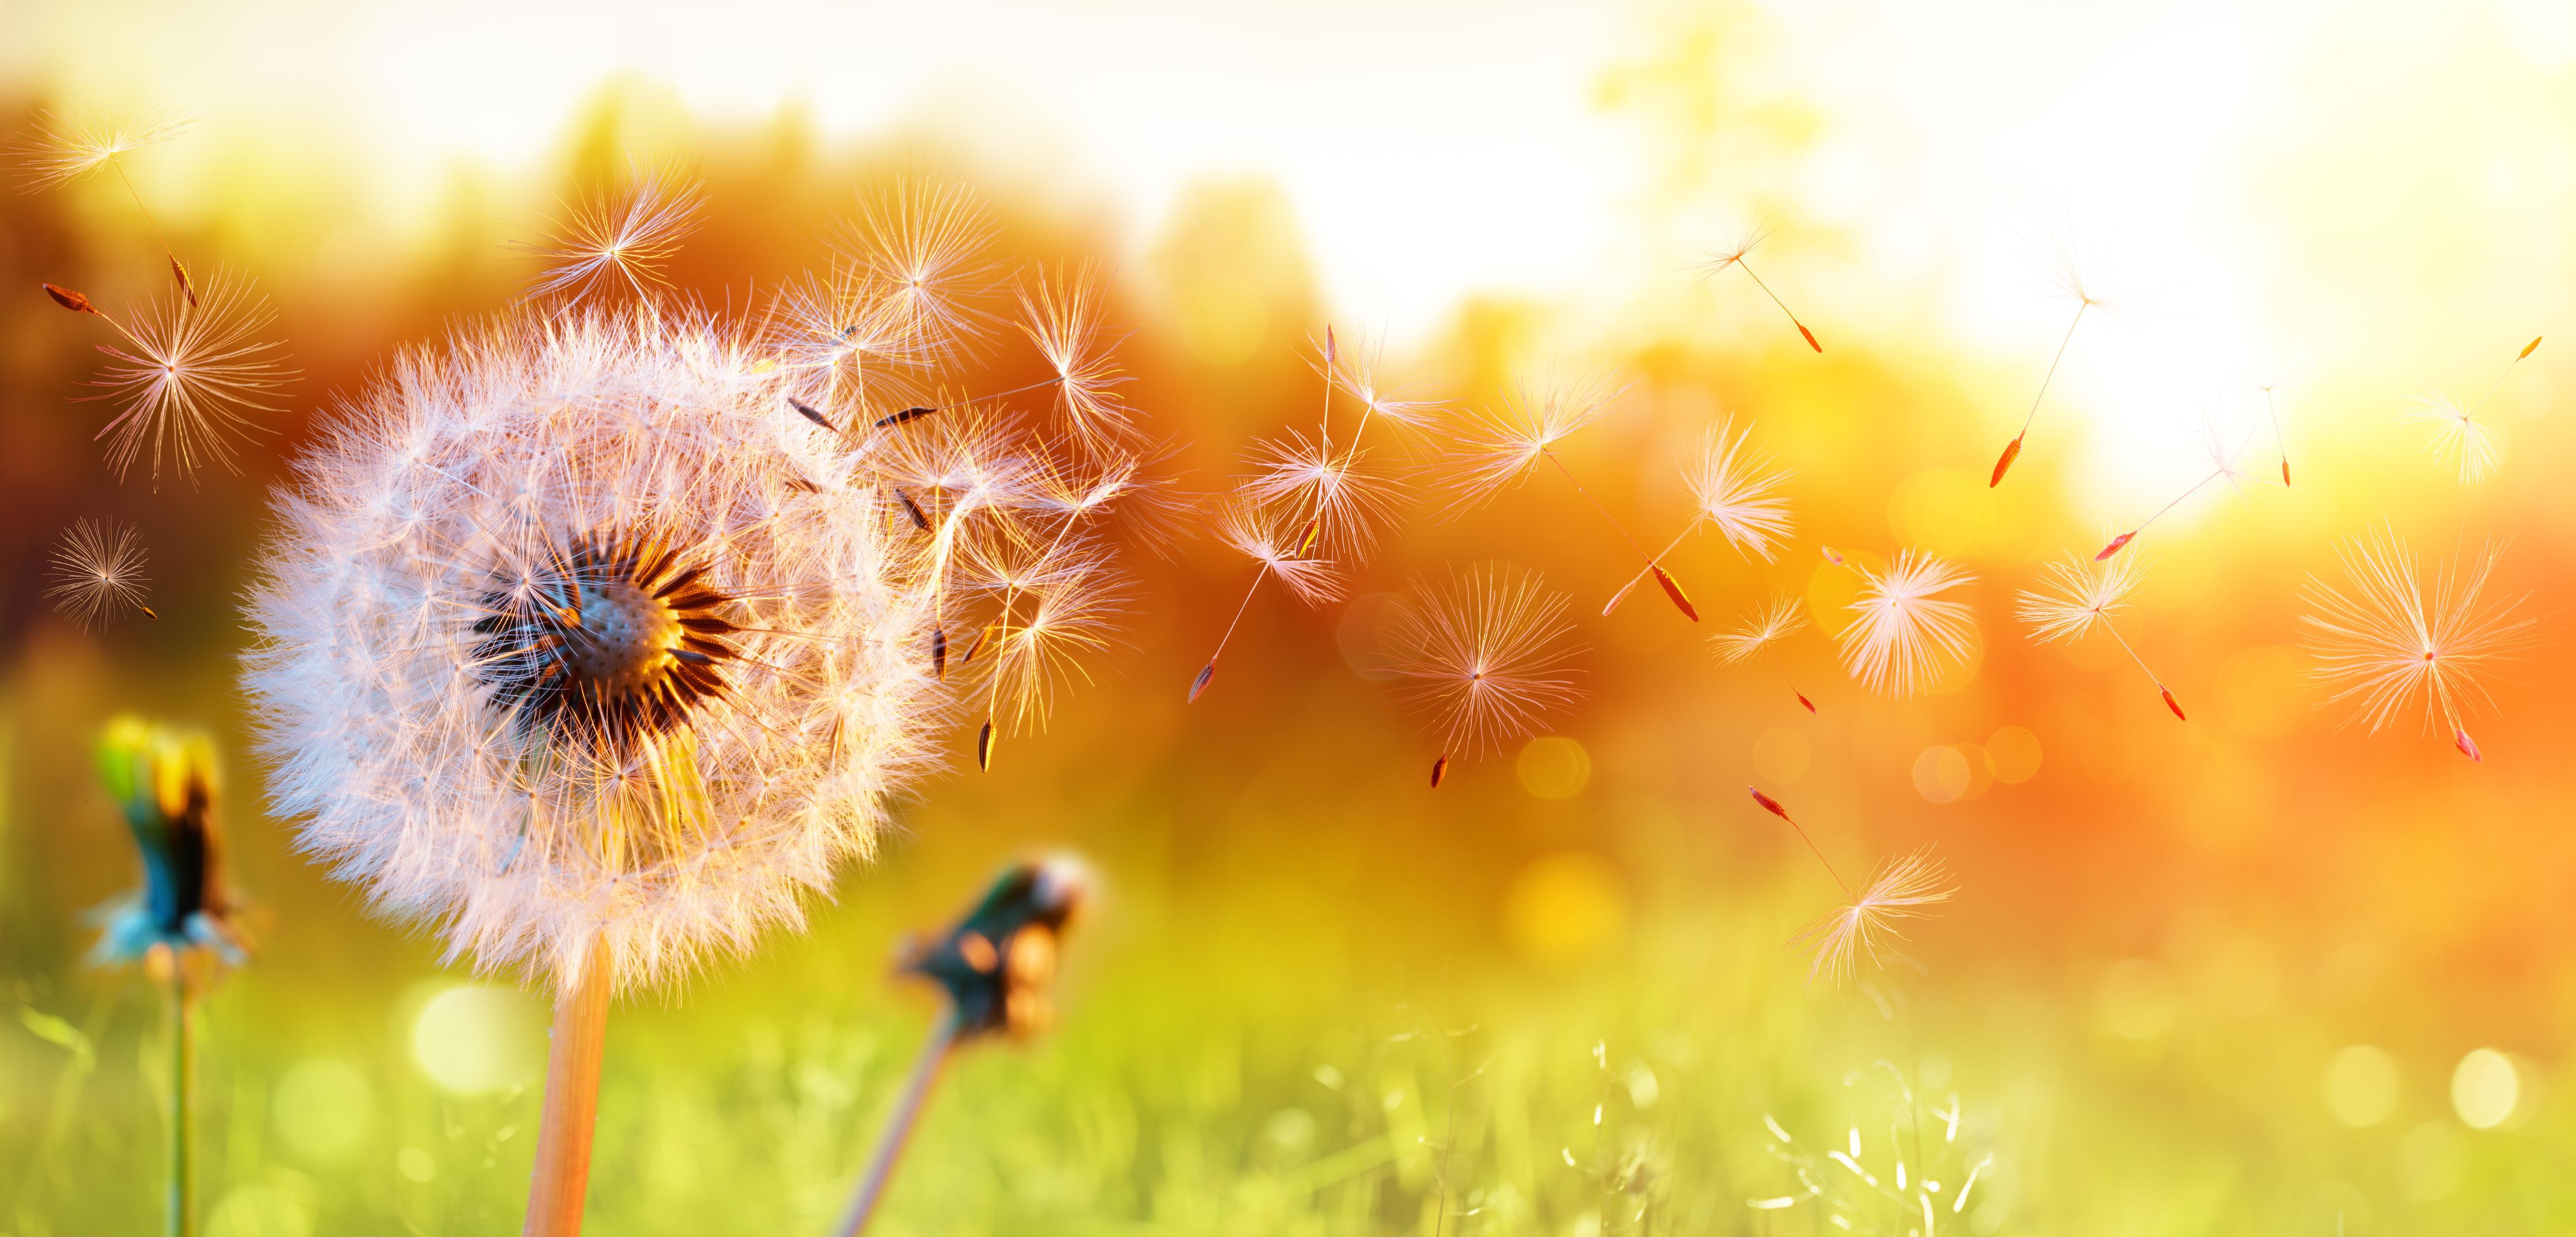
(182, 1108)
(900, 1124)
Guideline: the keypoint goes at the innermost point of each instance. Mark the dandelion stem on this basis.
(1643, 572)
(900, 1124)
(2160, 511)
(1820, 858)
(1621, 529)
(182, 1101)
(2278, 444)
(1257, 576)
(2132, 652)
(2051, 375)
(2507, 372)
(1784, 305)
(148, 221)
(561, 1177)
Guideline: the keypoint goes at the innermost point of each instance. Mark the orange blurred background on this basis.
(2180, 923)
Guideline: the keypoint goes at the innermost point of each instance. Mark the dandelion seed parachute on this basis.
(569, 634)
(2393, 641)
(2459, 437)
(65, 149)
(1483, 655)
(188, 374)
(1902, 632)
(2076, 597)
(1783, 618)
(1736, 490)
(619, 239)
(1900, 889)
(98, 572)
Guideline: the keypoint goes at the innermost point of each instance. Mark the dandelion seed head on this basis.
(1483, 655)
(2391, 641)
(571, 630)
(1739, 491)
(1898, 890)
(1903, 633)
(64, 149)
(189, 377)
(98, 572)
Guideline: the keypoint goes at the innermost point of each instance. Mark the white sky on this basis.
(1435, 150)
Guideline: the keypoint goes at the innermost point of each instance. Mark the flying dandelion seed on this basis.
(187, 377)
(851, 334)
(2222, 463)
(1902, 633)
(1774, 806)
(2078, 596)
(2070, 280)
(1346, 505)
(1783, 618)
(1899, 890)
(1262, 535)
(2458, 437)
(1070, 599)
(65, 149)
(1062, 317)
(1744, 245)
(1343, 504)
(926, 244)
(616, 239)
(1483, 656)
(2273, 413)
(2389, 644)
(98, 573)
(1500, 446)
(1354, 372)
(1735, 490)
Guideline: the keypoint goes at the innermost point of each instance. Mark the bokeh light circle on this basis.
(1564, 907)
(472, 1039)
(1553, 766)
(2485, 1089)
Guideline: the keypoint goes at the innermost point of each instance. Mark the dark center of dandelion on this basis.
(609, 642)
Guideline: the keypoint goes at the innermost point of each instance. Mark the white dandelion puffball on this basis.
(577, 631)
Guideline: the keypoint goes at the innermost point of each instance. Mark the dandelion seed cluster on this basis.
(626, 624)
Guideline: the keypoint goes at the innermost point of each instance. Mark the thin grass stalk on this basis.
(900, 1124)
(183, 1057)
(560, 1179)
